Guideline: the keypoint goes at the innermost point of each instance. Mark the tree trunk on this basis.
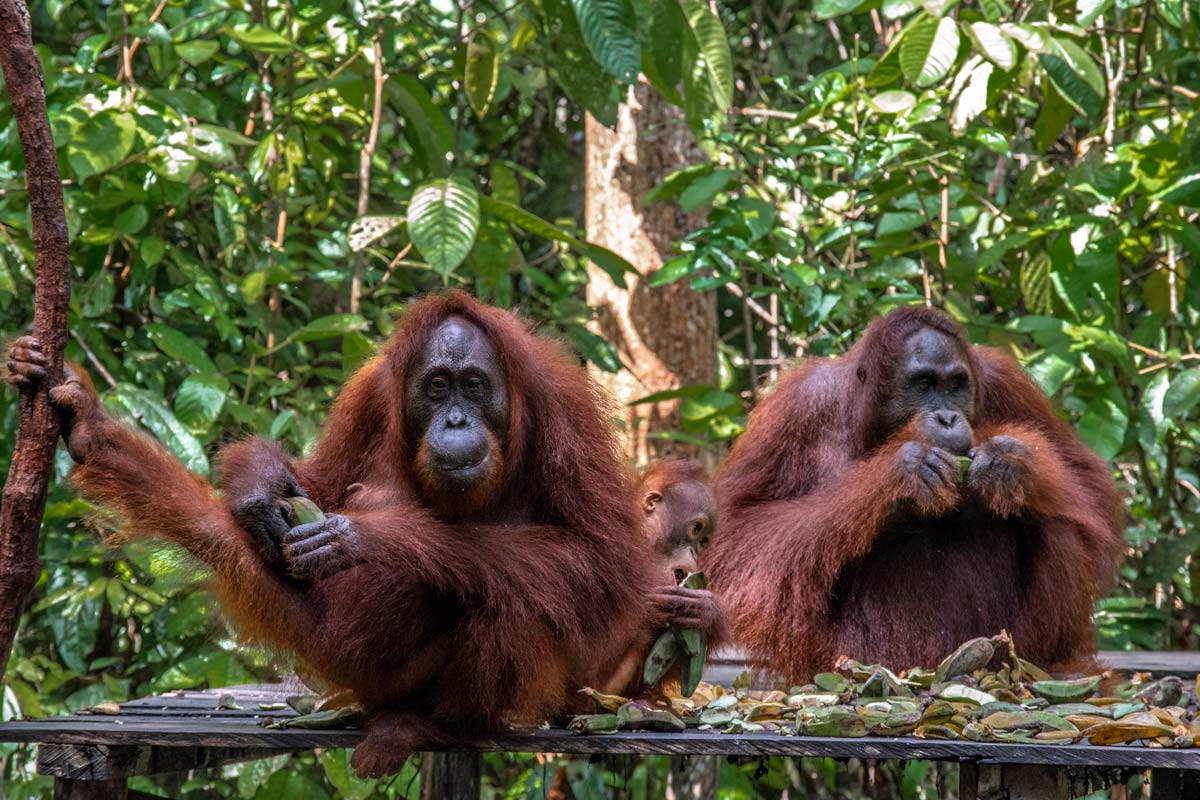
(24, 497)
(667, 337)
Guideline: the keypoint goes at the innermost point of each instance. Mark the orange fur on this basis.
(814, 562)
(454, 621)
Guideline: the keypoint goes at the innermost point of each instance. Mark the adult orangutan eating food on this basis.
(850, 528)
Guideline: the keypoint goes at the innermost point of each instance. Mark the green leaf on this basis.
(1075, 76)
(482, 72)
(827, 9)
(612, 264)
(581, 77)
(1035, 283)
(258, 38)
(895, 9)
(180, 347)
(662, 48)
(595, 349)
(673, 270)
(675, 182)
(198, 51)
(757, 215)
(929, 50)
(1103, 424)
(607, 260)
(101, 142)
(1051, 119)
(150, 411)
(1183, 394)
(425, 124)
(1185, 191)
(1087, 11)
(200, 399)
(132, 220)
(151, 250)
(702, 190)
(708, 66)
(893, 101)
(1172, 12)
(994, 10)
(610, 32)
(329, 326)
(991, 42)
(443, 218)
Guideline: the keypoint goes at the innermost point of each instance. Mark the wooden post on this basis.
(452, 776)
(968, 780)
(67, 789)
(24, 497)
(1174, 784)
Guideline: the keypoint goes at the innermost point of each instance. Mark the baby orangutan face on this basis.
(680, 518)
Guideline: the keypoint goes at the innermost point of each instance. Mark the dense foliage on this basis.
(1030, 166)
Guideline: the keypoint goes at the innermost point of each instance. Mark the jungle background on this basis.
(692, 193)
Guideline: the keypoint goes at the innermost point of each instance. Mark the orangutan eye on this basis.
(474, 383)
(438, 386)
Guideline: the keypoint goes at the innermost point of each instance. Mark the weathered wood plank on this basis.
(193, 732)
(104, 762)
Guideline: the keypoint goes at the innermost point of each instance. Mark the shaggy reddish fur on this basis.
(680, 486)
(458, 620)
(813, 561)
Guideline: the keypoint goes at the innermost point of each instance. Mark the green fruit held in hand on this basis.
(302, 511)
(662, 656)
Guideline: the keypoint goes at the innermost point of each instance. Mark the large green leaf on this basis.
(707, 66)
(991, 42)
(1183, 394)
(259, 38)
(1075, 76)
(482, 72)
(199, 400)
(929, 50)
(609, 29)
(595, 349)
(329, 326)
(662, 47)
(1185, 191)
(425, 124)
(607, 260)
(101, 142)
(443, 218)
(1103, 424)
(180, 347)
(577, 71)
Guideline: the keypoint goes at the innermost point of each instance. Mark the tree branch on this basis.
(24, 496)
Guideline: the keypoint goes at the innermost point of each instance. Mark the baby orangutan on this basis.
(680, 516)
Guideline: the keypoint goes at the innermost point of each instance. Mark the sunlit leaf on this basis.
(482, 72)
(991, 42)
(929, 49)
(609, 29)
(443, 218)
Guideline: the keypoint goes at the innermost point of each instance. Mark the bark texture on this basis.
(24, 497)
(667, 337)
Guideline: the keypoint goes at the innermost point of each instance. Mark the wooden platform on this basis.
(92, 755)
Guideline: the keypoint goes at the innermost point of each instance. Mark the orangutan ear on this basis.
(651, 501)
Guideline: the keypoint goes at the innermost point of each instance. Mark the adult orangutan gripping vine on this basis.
(481, 557)
(847, 529)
